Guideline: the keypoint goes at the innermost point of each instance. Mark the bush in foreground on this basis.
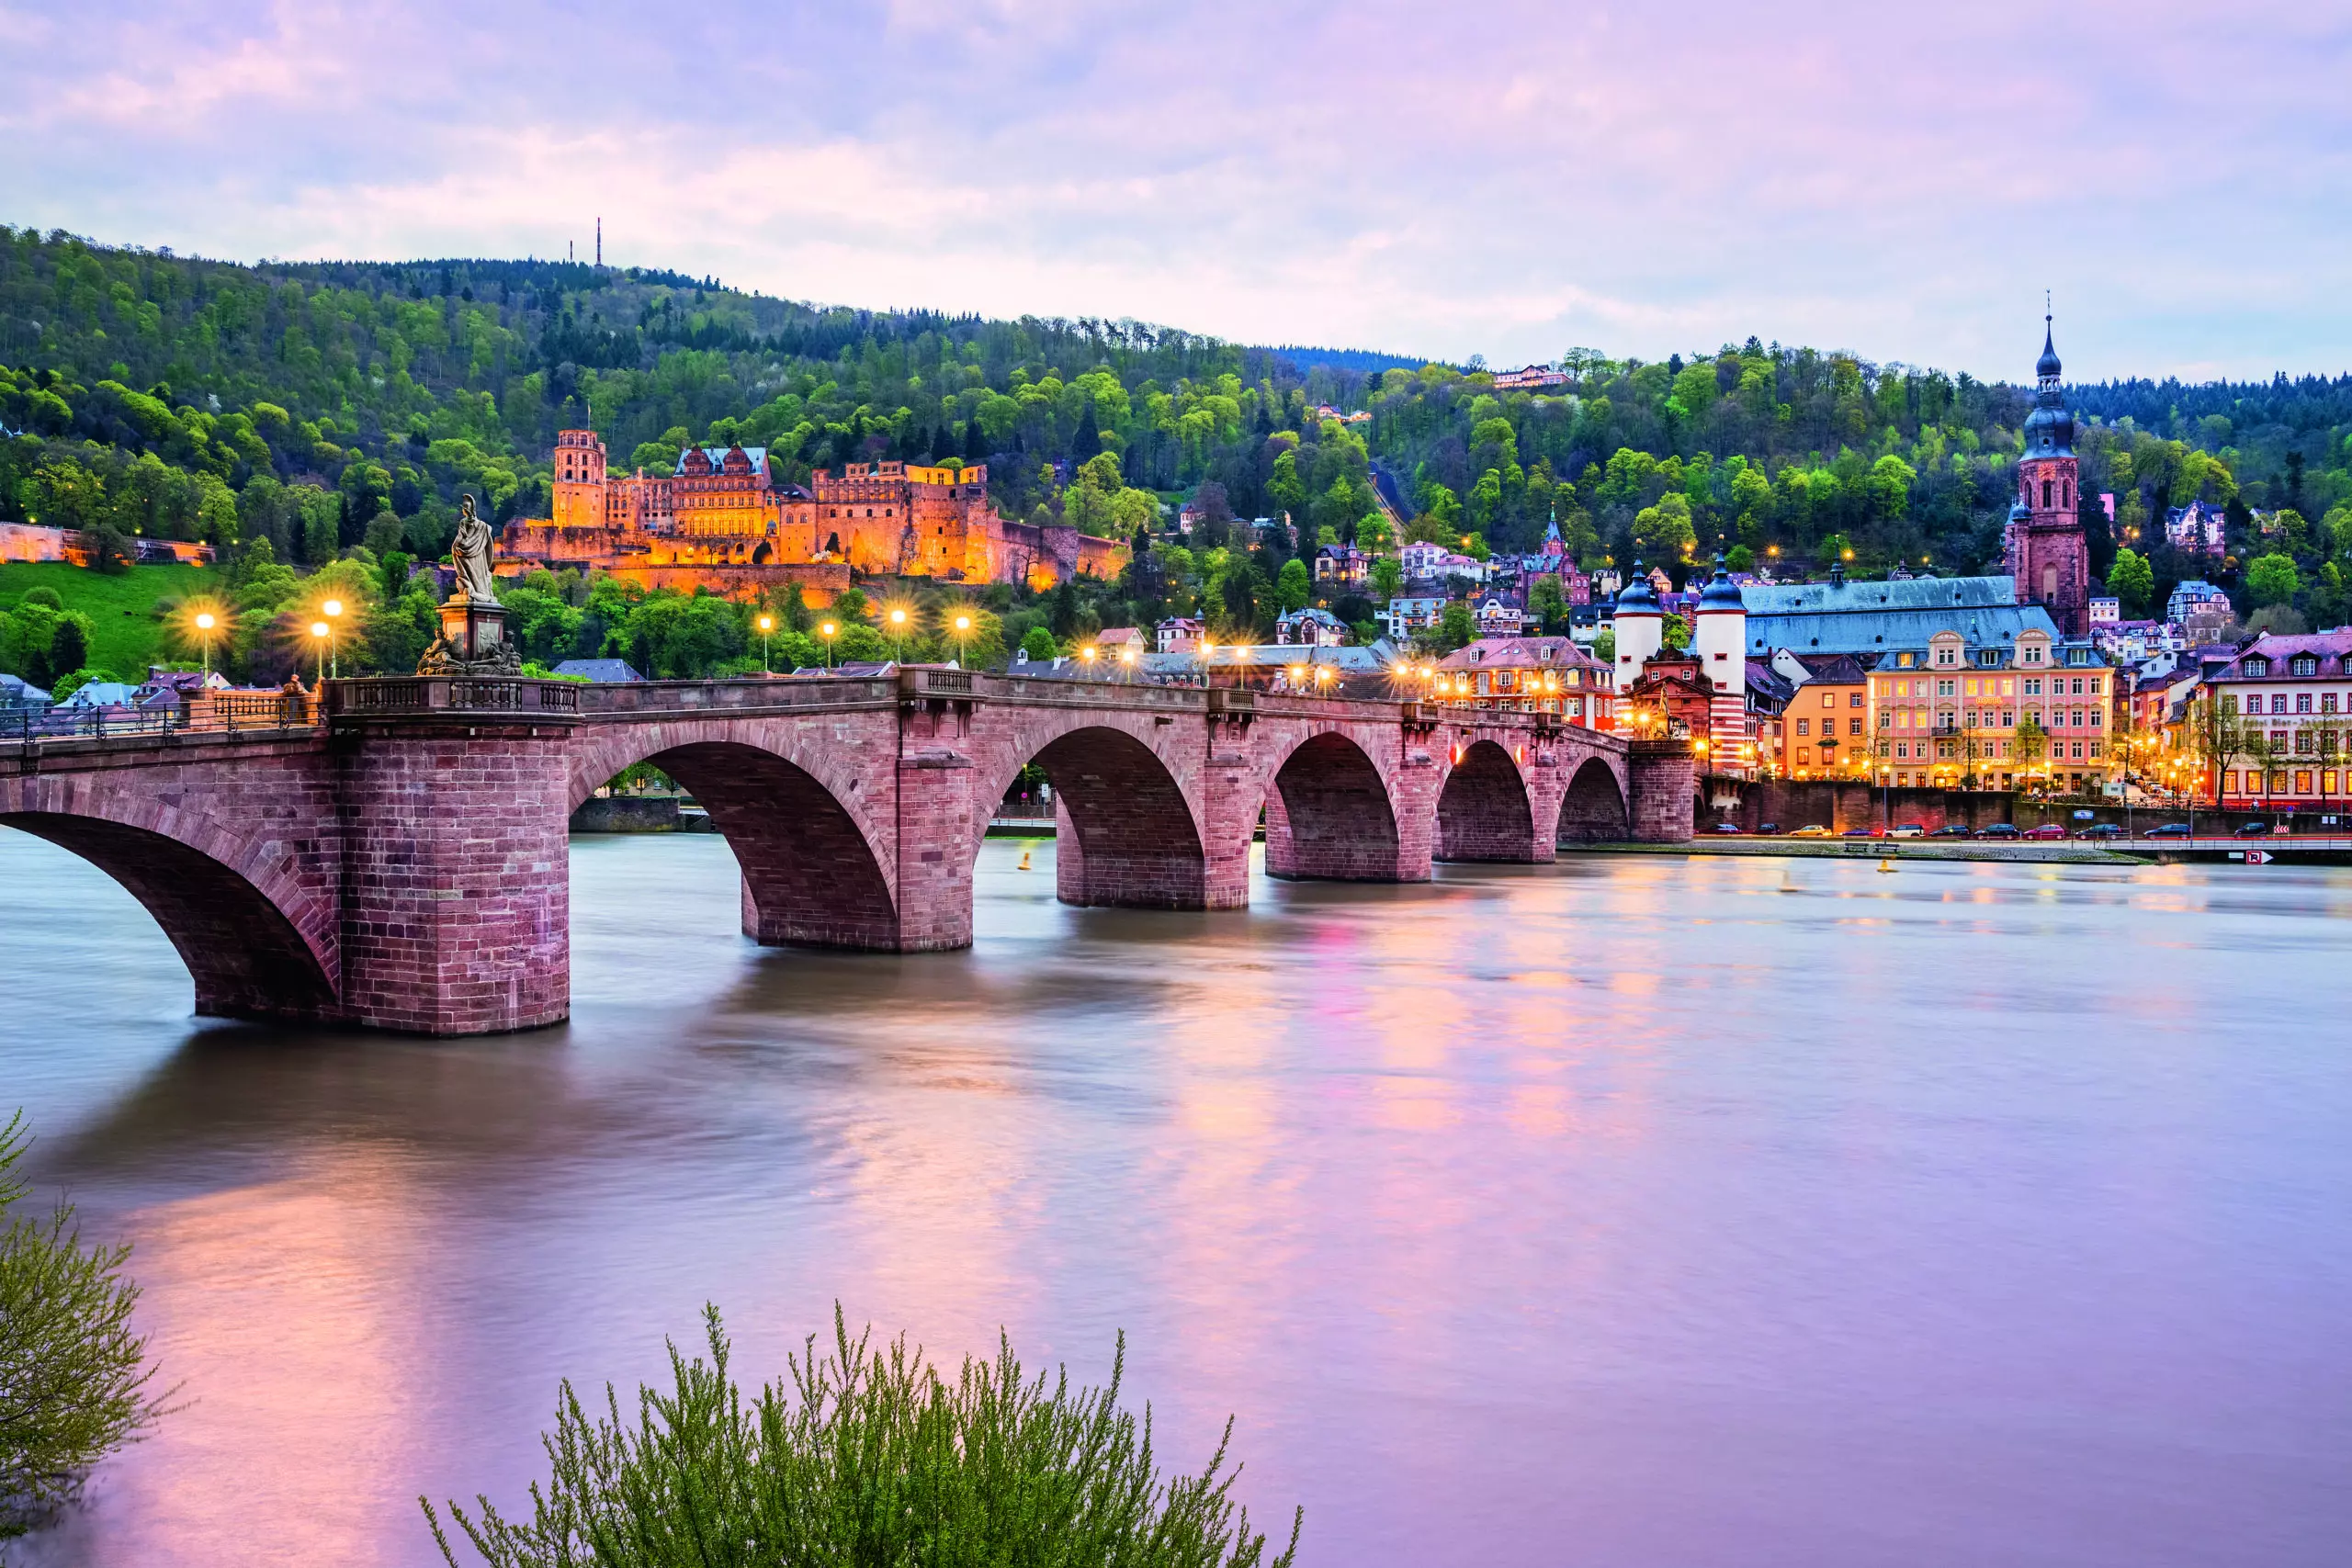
(868, 1460)
(73, 1375)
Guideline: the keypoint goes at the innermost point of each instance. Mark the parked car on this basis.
(1999, 830)
(1908, 830)
(2168, 830)
(1773, 827)
(1954, 831)
(1860, 833)
(2102, 830)
(1810, 830)
(1729, 827)
(2253, 831)
(2047, 830)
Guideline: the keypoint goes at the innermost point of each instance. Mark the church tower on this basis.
(2047, 554)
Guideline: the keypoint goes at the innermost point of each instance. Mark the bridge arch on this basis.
(815, 869)
(1485, 812)
(1593, 811)
(259, 938)
(1331, 814)
(1128, 834)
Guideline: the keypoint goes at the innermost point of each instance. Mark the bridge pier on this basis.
(457, 914)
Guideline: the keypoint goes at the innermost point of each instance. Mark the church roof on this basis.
(1870, 618)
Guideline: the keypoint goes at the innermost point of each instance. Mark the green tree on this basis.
(865, 1455)
(1037, 644)
(1292, 587)
(74, 1377)
(2132, 580)
(1456, 628)
(1284, 488)
(2272, 579)
(1387, 577)
(1664, 532)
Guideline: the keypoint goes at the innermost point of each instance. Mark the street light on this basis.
(963, 630)
(319, 630)
(827, 631)
(899, 626)
(767, 624)
(205, 622)
(333, 608)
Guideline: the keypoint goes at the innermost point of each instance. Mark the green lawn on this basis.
(125, 634)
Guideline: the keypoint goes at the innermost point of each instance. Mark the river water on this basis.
(1633, 1210)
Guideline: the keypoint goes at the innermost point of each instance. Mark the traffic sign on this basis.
(2259, 857)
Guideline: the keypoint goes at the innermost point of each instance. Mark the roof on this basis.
(602, 671)
(1870, 618)
(102, 693)
(2334, 650)
(1833, 668)
(717, 455)
(1517, 652)
(855, 670)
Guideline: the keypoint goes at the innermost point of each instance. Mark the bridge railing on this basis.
(211, 713)
(384, 696)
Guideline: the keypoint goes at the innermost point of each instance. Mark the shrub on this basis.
(866, 1458)
(73, 1375)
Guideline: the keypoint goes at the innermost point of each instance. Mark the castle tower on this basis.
(579, 480)
(2047, 554)
(1639, 625)
(1719, 641)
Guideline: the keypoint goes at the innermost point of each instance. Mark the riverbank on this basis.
(2057, 852)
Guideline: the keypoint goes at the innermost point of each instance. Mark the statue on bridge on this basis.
(473, 623)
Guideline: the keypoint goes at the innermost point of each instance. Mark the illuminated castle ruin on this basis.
(718, 520)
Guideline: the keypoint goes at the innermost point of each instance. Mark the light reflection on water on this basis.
(1633, 1210)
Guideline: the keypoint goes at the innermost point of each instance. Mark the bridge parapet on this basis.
(384, 696)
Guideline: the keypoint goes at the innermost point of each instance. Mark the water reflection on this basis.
(1630, 1211)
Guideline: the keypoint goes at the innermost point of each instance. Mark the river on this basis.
(1637, 1211)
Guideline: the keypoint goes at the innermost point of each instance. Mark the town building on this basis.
(1177, 634)
(1407, 613)
(1826, 722)
(2199, 529)
(1310, 627)
(1531, 378)
(1528, 674)
(2036, 713)
(2198, 609)
(2292, 699)
(718, 519)
(1341, 566)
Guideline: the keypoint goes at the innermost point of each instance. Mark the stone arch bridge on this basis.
(402, 864)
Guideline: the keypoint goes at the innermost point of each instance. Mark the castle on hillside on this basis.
(718, 519)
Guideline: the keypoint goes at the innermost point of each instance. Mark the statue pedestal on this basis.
(473, 641)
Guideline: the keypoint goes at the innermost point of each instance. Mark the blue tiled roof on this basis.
(1870, 618)
(602, 671)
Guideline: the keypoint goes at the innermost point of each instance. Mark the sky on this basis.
(1513, 180)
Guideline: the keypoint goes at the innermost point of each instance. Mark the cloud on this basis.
(1504, 181)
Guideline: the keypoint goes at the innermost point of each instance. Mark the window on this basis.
(2303, 702)
(2304, 664)
(2094, 686)
(2045, 492)
(2095, 712)
(2257, 667)
(1886, 719)
(2303, 782)
(1804, 756)
(1804, 727)
(1853, 727)
(2303, 741)
(2230, 702)
(2033, 688)
(2327, 702)
(1854, 700)
(2278, 701)
(1903, 749)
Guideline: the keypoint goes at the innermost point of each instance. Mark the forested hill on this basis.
(176, 396)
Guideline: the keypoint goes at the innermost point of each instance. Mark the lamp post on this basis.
(963, 630)
(319, 630)
(204, 625)
(899, 629)
(1127, 658)
(333, 608)
(827, 631)
(767, 624)
(1086, 655)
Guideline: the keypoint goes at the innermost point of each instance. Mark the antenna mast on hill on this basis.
(600, 244)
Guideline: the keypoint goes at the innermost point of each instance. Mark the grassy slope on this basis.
(126, 635)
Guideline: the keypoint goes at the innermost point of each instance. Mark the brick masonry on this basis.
(409, 872)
